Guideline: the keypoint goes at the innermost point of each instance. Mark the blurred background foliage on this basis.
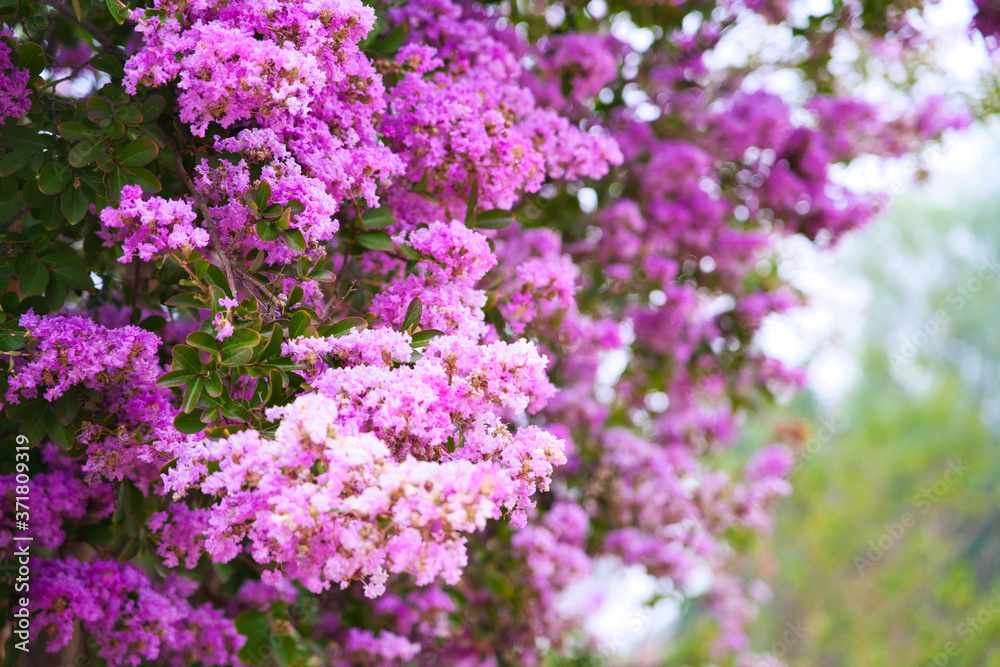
(882, 556)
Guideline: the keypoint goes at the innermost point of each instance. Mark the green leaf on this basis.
(15, 160)
(54, 177)
(153, 323)
(31, 58)
(76, 131)
(185, 300)
(293, 239)
(273, 347)
(266, 230)
(109, 64)
(192, 394)
(114, 130)
(152, 107)
(70, 269)
(294, 296)
(378, 218)
(130, 115)
(238, 348)
(173, 378)
(213, 385)
(145, 179)
(187, 358)
(137, 153)
(470, 209)
(495, 219)
(413, 313)
(116, 182)
(67, 406)
(253, 626)
(203, 341)
(99, 111)
(263, 195)
(298, 324)
(74, 204)
(8, 188)
(33, 279)
(85, 152)
(422, 338)
(344, 326)
(119, 11)
(377, 240)
(189, 422)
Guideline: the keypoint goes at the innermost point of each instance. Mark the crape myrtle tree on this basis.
(347, 334)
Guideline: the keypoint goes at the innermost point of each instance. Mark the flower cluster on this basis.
(359, 511)
(131, 618)
(119, 369)
(14, 100)
(147, 228)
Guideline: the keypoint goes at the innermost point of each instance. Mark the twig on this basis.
(245, 276)
(213, 232)
(94, 31)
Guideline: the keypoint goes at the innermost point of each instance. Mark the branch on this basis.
(213, 232)
(95, 32)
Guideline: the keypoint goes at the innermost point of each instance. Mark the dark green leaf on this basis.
(137, 153)
(189, 423)
(184, 301)
(152, 106)
(263, 195)
(74, 204)
(33, 279)
(377, 240)
(85, 152)
(116, 182)
(496, 219)
(203, 341)
(130, 115)
(114, 130)
(55, 294)
(213, 385)
(293, 239)
(273, 347)
(297, 325)
(414, 311)
(145, 179)
(153, 323)
(32, 58)
(76, 131)
(174, 378)
(109, 64)
(99, 111)
(238, 348)
(344, 326)
(378, 218)
(187, 358)
(266, 230)
(54, 177)
(15, 160)
(422, 338)
(192, 393)
(119, 11)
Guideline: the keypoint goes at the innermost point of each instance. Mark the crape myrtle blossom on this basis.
(132, 618)
(362, 511)
(118, 369)
(436, 303)
(14, 100)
